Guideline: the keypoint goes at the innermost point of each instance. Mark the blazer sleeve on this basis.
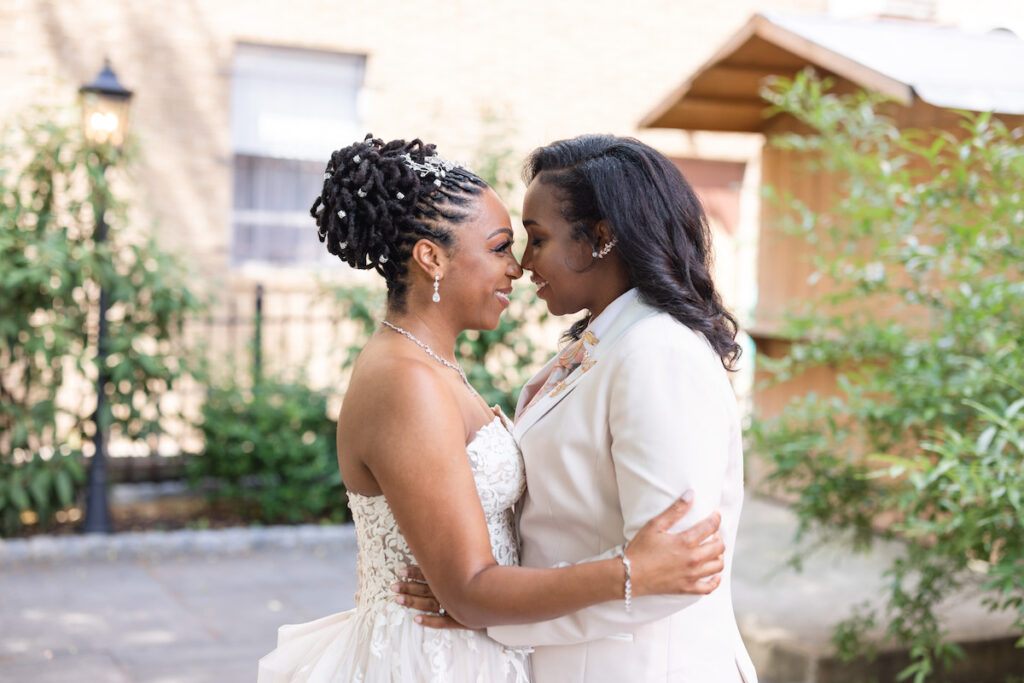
(669, 433)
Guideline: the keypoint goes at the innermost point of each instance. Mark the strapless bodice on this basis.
(500, 478)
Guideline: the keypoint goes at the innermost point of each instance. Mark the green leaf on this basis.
(985, 439)
(64, 486)
(18, 495)
(39, 486)
(1014, 409)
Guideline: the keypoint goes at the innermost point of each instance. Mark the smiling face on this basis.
(557, 261)
(479, 280)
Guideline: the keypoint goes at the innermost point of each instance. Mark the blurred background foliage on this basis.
(51, 183)
(269, 451)
(924, 322)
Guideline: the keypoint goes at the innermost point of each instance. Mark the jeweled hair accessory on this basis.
(434, 164)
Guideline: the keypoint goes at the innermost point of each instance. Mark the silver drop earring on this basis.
(437, 282)
(604, 250)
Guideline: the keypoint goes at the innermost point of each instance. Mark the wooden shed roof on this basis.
(945, 67)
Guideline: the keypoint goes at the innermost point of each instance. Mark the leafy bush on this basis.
(924, 325)
(39, 488)
(53, 185)
(271, 449)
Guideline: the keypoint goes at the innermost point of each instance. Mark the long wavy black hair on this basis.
(659, 223)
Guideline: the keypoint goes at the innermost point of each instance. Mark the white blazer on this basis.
(652, 416)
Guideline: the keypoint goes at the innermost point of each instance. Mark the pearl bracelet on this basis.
(629, 576)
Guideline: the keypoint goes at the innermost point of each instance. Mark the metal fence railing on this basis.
(283, 334)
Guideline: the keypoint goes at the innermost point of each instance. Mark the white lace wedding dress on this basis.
(378, 641)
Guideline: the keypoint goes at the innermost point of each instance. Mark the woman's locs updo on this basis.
(379, 199)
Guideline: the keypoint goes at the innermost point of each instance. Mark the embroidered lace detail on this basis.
(500, 480)
(378, 641)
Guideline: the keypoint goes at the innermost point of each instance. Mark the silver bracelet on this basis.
(629, 578)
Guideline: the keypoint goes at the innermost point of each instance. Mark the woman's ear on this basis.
(602, 234)
(431, 258)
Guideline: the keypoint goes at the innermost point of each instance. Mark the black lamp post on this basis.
(105, 108)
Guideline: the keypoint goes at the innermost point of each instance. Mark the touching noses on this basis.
(516, 271)
(527, 260)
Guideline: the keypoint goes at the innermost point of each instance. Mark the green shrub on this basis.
(925, 327)
(52, 186)
(39, 487)
(271, 449)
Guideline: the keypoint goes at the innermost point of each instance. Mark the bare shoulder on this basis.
(404, 386)
(396, 401)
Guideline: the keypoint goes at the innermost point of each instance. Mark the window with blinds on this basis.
(289, 109)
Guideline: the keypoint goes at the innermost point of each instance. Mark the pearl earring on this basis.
(604, 250)
(437, 282)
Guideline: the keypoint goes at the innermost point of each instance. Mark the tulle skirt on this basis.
(382, 644)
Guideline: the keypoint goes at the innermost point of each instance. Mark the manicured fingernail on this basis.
(687, 497)
(418, 620)
(395, 587)
(403, 572)
(400, 599)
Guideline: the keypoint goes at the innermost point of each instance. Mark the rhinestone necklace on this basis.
(431, 353)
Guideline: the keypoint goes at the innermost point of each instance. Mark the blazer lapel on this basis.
(546, 403)
(634, 312)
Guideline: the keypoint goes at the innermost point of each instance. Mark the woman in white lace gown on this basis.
(432, 472)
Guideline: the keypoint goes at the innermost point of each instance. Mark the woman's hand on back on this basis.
(664, 562)
(414, 593)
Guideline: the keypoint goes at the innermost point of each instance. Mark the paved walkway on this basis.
(202, 607)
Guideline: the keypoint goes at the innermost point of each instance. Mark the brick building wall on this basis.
(433, 69)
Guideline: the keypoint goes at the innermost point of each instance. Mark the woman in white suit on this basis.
(634, 411)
